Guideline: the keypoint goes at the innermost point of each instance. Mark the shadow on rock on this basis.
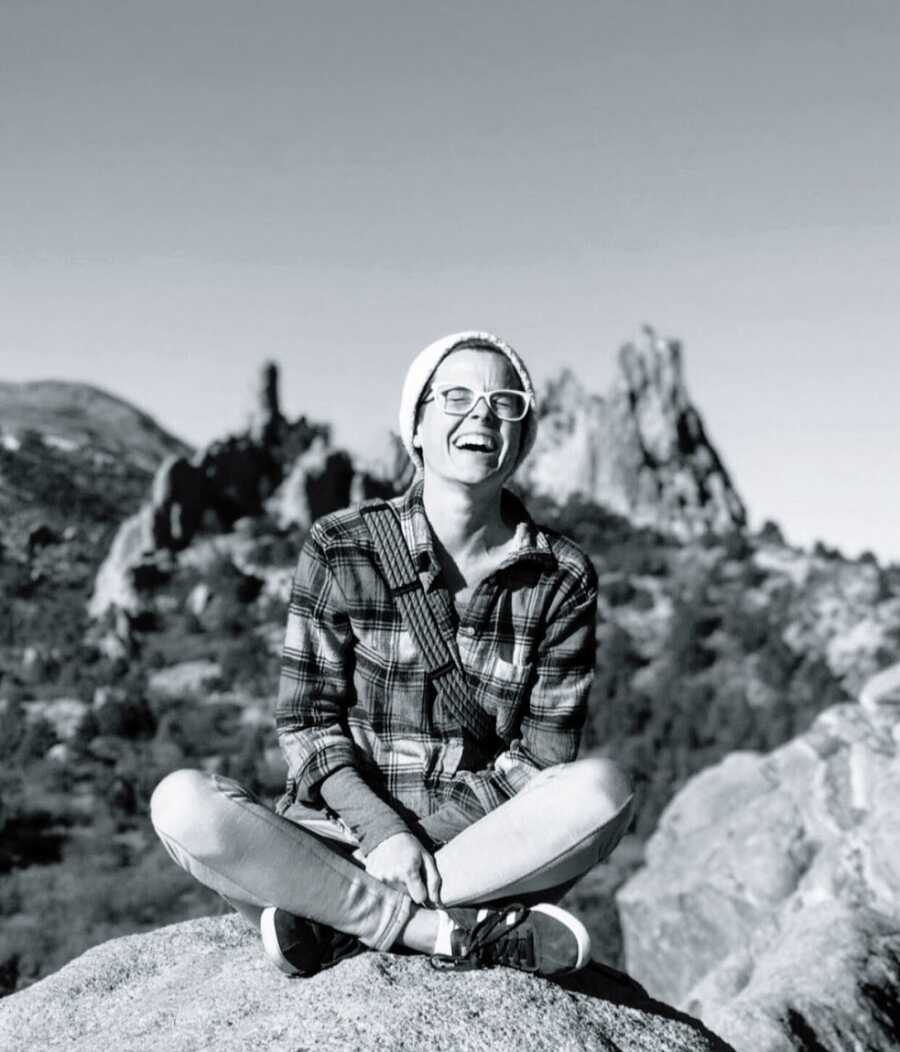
(618, 988)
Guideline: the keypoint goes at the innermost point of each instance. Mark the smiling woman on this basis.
(437, 661)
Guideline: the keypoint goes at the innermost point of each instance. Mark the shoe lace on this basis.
(497, 939)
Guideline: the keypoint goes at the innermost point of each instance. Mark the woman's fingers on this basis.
(432, 879)
(402, 862)
(416, 888)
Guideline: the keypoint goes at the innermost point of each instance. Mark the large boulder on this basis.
(641, 450)
(770, 899)
(206, 984)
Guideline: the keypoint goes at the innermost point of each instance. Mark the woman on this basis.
(415, 817)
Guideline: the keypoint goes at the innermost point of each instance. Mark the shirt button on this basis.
(467, 630)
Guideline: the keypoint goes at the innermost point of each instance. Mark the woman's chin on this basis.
(475, 476)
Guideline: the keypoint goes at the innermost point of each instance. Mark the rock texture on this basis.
(205, 984)
(641, 451)
(770, 899)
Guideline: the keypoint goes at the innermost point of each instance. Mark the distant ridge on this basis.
(86, 416)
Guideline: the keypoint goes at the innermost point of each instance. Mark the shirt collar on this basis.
(533, 544)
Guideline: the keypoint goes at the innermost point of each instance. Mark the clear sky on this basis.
(188, 188)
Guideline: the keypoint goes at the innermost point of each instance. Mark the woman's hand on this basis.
(402, 862)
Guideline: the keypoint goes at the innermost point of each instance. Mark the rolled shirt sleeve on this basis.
(314, 690)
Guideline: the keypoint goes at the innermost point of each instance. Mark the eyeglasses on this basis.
(459, 400)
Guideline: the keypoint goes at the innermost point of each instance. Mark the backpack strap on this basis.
(438, 654)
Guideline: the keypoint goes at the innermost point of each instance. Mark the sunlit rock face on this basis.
(207, 984)
(641, 450)
(770, 900)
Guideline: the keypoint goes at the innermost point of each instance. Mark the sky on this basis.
(190, 188)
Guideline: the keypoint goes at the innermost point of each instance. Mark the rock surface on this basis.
(770, 899)
(206, 984)
(642, 451)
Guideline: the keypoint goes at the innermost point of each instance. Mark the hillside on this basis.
(74, 415)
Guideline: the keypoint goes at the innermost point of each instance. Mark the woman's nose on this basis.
(482, 409)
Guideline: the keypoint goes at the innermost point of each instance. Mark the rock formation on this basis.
(114, 587)
(228, 480)
(269, 425)
(641, 451)
(320, 481)
(206, 984)
(770, 900)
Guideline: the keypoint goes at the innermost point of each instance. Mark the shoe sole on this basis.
(270, 942)
(582, 936)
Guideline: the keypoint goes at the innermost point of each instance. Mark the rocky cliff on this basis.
(770, 899)
(641, 450)
(206, 984)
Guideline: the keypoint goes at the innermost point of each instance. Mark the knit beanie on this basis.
(422, 369)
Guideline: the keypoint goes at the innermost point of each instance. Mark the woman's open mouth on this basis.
(477, 443)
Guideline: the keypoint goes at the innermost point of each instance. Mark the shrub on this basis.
(39, 736)
(12, 727)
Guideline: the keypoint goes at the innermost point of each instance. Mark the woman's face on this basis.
(477, 449)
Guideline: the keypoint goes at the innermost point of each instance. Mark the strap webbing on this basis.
(438, 654)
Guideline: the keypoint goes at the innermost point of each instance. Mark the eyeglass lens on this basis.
(507, 405)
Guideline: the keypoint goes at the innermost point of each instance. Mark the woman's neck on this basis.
(467, 524)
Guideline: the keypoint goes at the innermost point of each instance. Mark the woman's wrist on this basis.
(368, 817)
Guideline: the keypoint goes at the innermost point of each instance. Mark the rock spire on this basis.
(641, 450)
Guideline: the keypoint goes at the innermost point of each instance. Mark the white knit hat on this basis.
(422, 369)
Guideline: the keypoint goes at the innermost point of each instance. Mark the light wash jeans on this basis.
(533, 847)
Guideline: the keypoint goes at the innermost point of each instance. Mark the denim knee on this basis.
(602, 786)
(183, 808)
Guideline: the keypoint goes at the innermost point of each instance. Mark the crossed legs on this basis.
(566, 819)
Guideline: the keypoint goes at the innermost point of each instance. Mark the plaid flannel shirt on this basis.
(353, 690)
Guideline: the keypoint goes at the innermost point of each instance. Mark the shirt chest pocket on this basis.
(501, 688)
(389, 683)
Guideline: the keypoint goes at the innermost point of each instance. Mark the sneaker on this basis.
(303, 947)
(545, 940)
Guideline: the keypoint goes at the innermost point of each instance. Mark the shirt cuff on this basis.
(443, 825)
(369, 818)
